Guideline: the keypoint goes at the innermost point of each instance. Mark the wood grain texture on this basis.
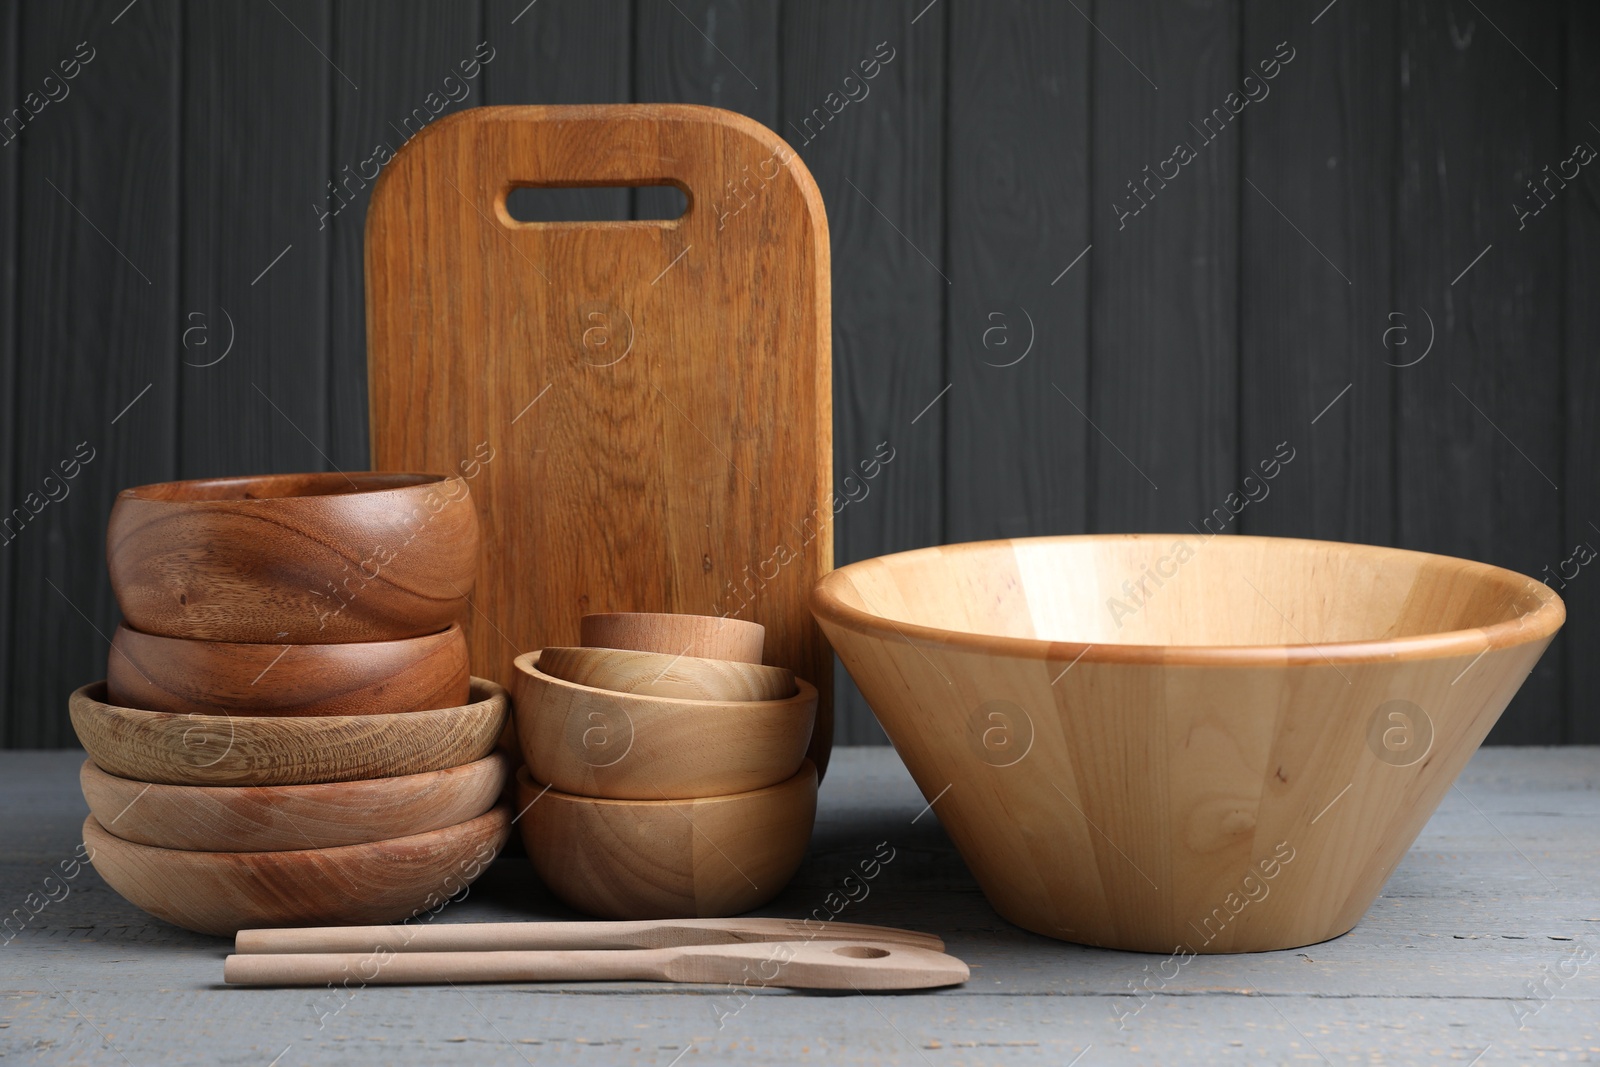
(225, 678)
(1316, 305)
(800, 964)
(1188, 762)
(10, 250)
(1017, 178)
(1164, 277)
(220, 892)
(97, 326)
(414, 60)
(627, 746)
(665, 859)
(703, 636)
(221, 750)
(292, 817)
(657, 674)
(256, 163)
(1581, 386)
(675, 417)
(530, 936)
(300, 558)
(1477, 425)
(877, 149)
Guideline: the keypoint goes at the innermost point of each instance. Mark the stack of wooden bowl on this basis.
(288, 733)
(666, 767)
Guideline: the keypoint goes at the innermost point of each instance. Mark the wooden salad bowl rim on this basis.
(324, 485)
(1536, 625)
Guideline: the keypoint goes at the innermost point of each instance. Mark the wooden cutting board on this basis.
(643, 409)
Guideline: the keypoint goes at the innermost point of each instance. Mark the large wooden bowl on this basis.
(294, 558)
(169, 749)
(703, 636)
(226, 677)
(657, 674)
(224, 892)
(624, 746)
(668, 859)
(274, 818)
(1150, 741)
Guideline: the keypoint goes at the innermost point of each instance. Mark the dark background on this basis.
(172, 201)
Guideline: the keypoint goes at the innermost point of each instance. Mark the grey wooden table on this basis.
(1484, 948)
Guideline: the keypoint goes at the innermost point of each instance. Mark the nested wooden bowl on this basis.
(1228, 742)
(171, 749)
(224, 892)
(233, 678)
(598, 743)
(668, 859)
(658, 674)
(702, 636)
(294, 558)
(276, 818)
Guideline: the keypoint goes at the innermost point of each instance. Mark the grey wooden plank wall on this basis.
(1051, 331)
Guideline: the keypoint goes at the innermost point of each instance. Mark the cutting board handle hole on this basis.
(595, 203)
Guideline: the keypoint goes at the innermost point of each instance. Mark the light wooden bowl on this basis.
(224, 892)
(275, 818)
(703, 636)
(597, 743)
(168, 749)
(1228, 743)
(231, 678)
(668, 859)
(657, 674)
(294, 558)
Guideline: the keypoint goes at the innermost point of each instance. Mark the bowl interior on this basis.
(276, 486)
(1177, 590)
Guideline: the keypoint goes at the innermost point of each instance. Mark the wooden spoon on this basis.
(859, 965)
(658, 674)
(650, 933)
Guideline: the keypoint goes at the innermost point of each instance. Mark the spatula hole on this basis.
(861, 952)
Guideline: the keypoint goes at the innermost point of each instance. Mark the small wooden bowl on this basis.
(668, 859)
(704, 636)
(266, 818)
(168, 749)
(294, 558)
(231, 678)
(622, 746)
(224, 892)
(657, 674)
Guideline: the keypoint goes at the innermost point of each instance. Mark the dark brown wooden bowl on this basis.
(294, 558)
(233, 678)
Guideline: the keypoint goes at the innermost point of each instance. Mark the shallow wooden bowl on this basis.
(1227, 742)
(624, 746)
(273, 818)
(658, 674)
(668, 859)
(703, 636)
(294, 558)
(169, 749)
(226, 677)
(224, 892)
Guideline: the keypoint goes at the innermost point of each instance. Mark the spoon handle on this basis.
(420, 968)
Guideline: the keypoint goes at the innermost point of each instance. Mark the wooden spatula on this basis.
(860, 965)
(496, 937)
